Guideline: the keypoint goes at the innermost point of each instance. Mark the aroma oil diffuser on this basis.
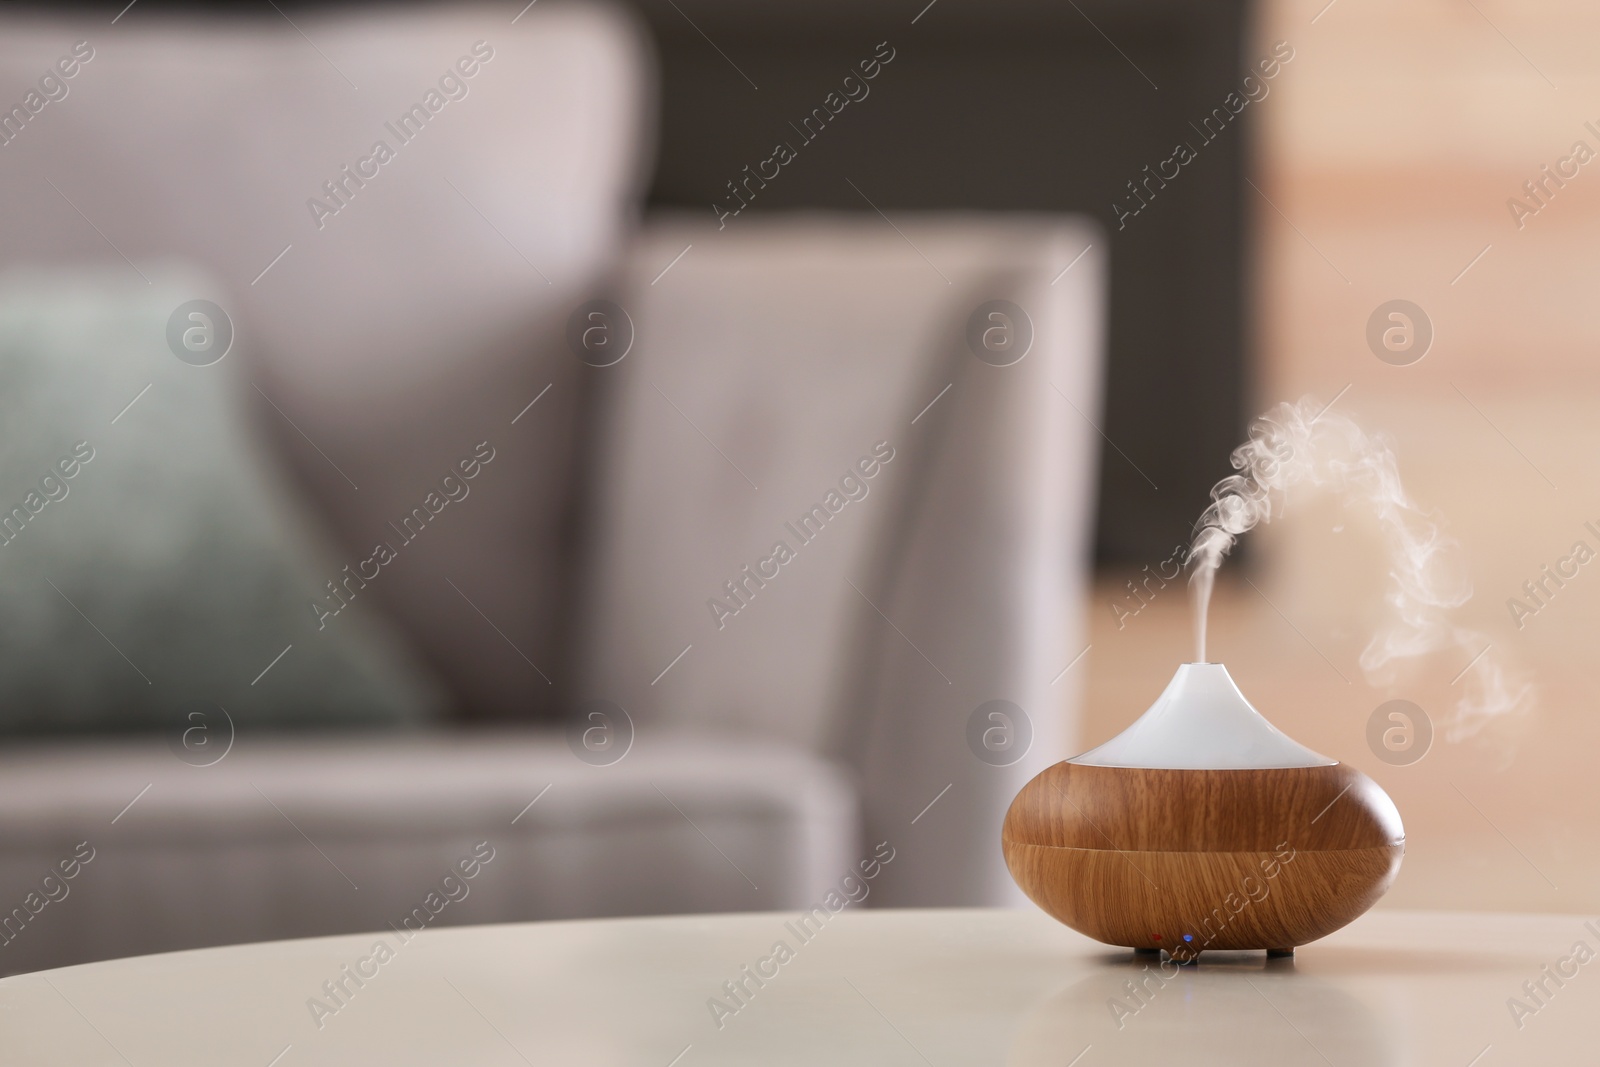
(1202, 826)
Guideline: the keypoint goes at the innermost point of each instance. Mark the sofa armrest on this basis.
(825, 518)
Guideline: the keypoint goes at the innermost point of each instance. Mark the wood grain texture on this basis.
(1241, 859)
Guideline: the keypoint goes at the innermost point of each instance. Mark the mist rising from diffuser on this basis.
(1306, 444)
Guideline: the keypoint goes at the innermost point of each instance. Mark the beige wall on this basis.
(1391, 145)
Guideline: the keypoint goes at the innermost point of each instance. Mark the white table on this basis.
(872, 987)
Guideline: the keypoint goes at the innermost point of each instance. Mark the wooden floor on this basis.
(1389, 150)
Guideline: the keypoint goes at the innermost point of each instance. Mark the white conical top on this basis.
(1202, 722)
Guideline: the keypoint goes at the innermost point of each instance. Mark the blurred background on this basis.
(370, 510)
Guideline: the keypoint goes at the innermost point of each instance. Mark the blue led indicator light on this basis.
(1188, 937)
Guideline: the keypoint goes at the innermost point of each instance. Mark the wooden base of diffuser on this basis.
(1187, 860)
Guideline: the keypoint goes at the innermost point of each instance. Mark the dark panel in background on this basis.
(1022, 107)
(1008, 105)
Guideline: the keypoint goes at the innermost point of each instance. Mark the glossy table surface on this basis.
(864, 987)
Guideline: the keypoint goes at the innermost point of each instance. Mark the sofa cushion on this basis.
(152, 565)
(292, 838)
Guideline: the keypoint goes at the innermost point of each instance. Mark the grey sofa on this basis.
(675, 714)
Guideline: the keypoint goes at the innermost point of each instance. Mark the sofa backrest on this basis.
(400, 213)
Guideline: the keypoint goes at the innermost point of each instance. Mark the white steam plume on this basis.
(1306, 444)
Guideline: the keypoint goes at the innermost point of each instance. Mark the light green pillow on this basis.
(152, 563)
